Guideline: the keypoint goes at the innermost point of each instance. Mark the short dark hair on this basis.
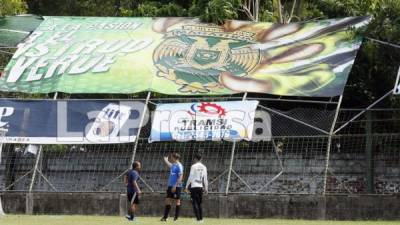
(135, 164)
(197, 156)
(176, 156)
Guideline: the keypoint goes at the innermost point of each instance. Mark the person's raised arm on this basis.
(167, 161)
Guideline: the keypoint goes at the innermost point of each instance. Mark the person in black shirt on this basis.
(132, 189)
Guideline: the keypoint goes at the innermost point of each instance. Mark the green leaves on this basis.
(12, 7)
(216, 11)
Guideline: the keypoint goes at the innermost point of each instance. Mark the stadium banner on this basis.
(69, 122)
(182, 56)
(203, 121)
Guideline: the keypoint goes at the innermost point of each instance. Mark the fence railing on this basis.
(364, 158)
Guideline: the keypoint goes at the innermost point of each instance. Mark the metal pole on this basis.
(280, 99)
(35, 169)
(244, 96)
(135, 146)
(38, 157)
(359, 114)
(3, 133)
(328, 148)
(228, 183)
(294, 119)
(140, 127)
(396, 89)
(382, 42)
(369, 153)
(55, 96)
(280, 165)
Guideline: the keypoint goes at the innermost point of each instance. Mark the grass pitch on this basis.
(113, 220)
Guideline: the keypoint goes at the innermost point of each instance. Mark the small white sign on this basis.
(202, 121)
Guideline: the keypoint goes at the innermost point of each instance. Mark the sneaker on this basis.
(175, 219)
(128, 217)
(200, 221)
(163, 219)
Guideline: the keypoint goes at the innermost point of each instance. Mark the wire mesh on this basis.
(293, 161)
(365, 157)
(292, 165)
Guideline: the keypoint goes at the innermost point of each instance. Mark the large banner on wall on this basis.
(69, 122)
(182, 56)
(202, 121)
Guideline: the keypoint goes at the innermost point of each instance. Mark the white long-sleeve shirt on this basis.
(198, 177)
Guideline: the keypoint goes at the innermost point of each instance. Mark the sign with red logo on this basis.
(202, 121)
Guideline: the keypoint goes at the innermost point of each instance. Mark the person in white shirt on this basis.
(197, 184)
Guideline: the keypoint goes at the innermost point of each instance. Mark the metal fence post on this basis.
(2, 135)
(38, 157)
(35, 168)
(369, 154)
(328, 148)
(140, 128)
(228, 182)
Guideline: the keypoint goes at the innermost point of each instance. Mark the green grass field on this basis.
(113, 220)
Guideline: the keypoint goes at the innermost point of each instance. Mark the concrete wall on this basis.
(330, 207)
(88, 172)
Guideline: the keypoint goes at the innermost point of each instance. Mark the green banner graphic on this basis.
(181, 56)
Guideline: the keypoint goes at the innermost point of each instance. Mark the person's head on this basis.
(197, 157)
(175, 157)
(136, 166)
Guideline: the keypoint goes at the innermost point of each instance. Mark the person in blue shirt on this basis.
(174, 185)
(132, 189)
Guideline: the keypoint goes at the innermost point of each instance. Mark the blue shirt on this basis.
(175, 173)
(133, 175)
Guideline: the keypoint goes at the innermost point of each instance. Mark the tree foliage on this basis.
(12, 7)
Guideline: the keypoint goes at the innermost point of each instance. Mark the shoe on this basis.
(200, 221)
(128, 217)
(175, 219)
(163, 219)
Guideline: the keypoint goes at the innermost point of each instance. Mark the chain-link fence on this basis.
(364, 157)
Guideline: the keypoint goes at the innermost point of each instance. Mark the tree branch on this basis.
(292, 11)
(248, 13)
(280, 11)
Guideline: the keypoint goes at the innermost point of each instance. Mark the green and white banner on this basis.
(181, 56)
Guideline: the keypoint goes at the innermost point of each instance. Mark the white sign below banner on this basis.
(202, 121)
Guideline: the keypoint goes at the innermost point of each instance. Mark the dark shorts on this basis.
(197, 195)
(133, 198)
(176, 195)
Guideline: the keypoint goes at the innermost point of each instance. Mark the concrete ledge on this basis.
(332, 207)
(14, 202)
